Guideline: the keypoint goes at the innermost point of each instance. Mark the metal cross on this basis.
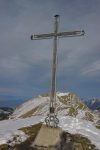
(51, 119)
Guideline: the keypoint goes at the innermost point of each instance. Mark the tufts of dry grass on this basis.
(31, 130)
(29, 113)
(4, 147)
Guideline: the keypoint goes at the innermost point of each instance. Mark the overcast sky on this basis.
(25, 65)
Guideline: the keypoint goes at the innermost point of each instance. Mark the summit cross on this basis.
(51, 119)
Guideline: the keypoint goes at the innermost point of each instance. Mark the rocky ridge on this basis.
(67, 104)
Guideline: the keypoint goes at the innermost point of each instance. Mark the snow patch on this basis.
(62, 94)
(86, 128)
(29, 105)
(9, 129)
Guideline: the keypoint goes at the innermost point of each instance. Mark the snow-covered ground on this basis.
(9, 128)
(27, 106)
(62, 94)
(86, 128)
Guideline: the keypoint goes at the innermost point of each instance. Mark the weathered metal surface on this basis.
(55, 35)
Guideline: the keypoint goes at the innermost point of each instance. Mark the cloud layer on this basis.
(25, 65)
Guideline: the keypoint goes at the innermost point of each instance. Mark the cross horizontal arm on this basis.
(60, 35)
(42, 36)
(71, 34)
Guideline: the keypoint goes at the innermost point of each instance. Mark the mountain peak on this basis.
(74, 116)
(67, 104)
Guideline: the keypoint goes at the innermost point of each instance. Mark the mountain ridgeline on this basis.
(93, 103)
(80, 124)
(67, 104)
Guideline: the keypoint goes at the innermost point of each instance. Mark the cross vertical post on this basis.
(51, 119)
(52, 108)
(53, 84)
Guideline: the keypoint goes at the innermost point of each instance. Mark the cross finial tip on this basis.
(56, 15)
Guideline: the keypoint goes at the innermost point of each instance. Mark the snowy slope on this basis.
(29, 105)
(86, 128)
(66, 104)
(72, 114)
(9, 128)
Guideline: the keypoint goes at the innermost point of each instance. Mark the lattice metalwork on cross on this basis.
(51, 119)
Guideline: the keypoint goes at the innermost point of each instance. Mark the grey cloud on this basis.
(19, 56)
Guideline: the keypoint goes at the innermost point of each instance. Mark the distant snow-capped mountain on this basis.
(93, 103)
